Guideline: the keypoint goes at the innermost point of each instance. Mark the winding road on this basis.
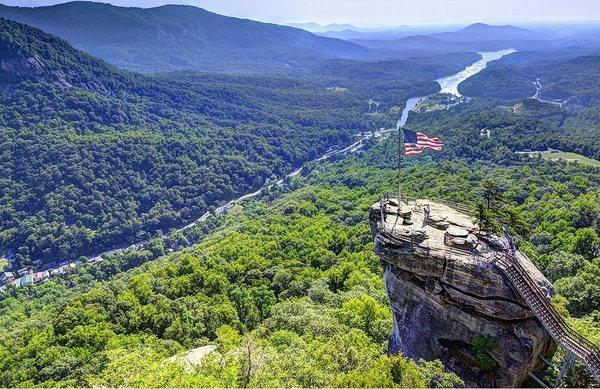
(447, 85)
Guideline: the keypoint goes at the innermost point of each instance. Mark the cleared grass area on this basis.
(570, 157)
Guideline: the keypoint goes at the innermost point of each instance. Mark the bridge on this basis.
(514, 265)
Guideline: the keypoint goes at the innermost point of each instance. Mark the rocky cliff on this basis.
(447, 295)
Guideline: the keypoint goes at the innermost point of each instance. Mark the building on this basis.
(26, 280)
(22, 271)
(6, 277)
(40, 277)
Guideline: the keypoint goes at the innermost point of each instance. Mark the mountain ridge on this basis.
(182, 37)
(487, 32)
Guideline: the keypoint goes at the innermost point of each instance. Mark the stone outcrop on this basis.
(22, 67)
(16, 69)
(445, 290)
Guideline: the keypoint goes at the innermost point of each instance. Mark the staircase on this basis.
(556, 326)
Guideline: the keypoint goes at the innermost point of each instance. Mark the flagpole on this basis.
(400, 144)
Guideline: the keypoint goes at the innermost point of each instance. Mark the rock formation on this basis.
(445, 291)
(22, 66)
(15, 69)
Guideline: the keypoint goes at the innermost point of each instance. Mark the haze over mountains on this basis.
(173, 37)
(316, 27)
(475, 37)
(176, 37)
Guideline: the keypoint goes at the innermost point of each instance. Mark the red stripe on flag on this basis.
(423, 142)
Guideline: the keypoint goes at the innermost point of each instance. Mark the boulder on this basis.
(442, 298)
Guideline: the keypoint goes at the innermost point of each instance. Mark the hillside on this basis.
(181, 38)
(290, 281)
(415, 42)
(564, 76)
(93, 157)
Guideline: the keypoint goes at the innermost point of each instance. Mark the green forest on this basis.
(92, 157)
(287, 279)
(284, 289)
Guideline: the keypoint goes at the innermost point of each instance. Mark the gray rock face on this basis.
(442, 298)
(14, 69)
(22, 66)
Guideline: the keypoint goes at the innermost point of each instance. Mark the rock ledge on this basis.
(445, 290)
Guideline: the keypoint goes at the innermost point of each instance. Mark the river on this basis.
(449, 84)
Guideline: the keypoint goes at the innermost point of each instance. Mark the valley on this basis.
(46, 271)
(189, 199)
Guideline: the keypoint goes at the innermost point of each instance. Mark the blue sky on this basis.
(382, 12)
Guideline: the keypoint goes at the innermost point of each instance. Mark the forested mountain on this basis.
(92, 156)
(486, 32)
(396, 70)
(174, 37)
(291, 281)
(476, 37)
(571, 78)
(414, 42)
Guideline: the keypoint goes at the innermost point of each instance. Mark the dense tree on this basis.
(92, 157)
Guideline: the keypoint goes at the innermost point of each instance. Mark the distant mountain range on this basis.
(476, 37)
(486, 32)
(316, 27)
(176, 37)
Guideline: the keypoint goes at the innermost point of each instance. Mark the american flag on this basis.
(416, 142)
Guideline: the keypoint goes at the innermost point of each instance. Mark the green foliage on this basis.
(563, 264)
(582, 289)
(291, 294)
(493, 211)
(483, 348)
(586, 243)
(498, 82)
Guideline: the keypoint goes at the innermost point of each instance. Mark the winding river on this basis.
(448, 85)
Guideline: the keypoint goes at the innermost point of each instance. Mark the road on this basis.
(352, 148)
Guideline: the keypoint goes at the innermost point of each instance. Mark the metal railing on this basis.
(550, 318)
(454, 205)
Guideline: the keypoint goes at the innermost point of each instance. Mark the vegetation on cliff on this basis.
(292, 279)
